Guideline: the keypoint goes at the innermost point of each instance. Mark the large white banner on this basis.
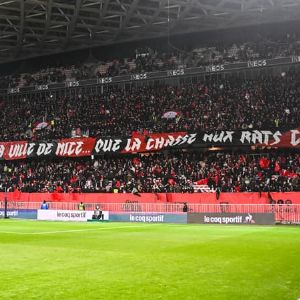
(67, 215)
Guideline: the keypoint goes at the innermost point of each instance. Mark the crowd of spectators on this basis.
(149, 59)
(9, 81)
(226, 104)
(47, 76)
(173, 172)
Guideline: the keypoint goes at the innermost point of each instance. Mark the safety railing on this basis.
(284, 213)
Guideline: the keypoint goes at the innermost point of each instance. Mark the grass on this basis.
(55, 260)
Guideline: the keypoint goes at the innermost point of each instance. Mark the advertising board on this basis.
(67, 215)
(20, 213)
(143, 217)
(231, 218)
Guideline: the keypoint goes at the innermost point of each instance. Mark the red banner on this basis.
(77, 147)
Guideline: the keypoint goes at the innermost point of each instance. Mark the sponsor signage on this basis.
(176, 72)
(86, 146)
(72, 83)
(139, 76)
(260, 63)
(42, 87)
(143, 217)
(20, 213)
(67, 215)
(13, 90)
(232, 218)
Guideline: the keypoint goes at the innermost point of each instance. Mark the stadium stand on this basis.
(234, 103)
(183, 173)
(147, 59)
(266, 101)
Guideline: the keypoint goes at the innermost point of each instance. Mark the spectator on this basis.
(44, 205)
(173, 172)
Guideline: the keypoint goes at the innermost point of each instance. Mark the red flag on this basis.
(287, 173)
(202, 181)
(277, 167)
(242, 159)
(264, 163)
(171, 181)
(136, 161)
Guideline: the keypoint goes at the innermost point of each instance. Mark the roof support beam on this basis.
(21, 28)
(72, 24)
(129, 14)
(102, 12)
(188, 7)
(47, 22)
(48, 18)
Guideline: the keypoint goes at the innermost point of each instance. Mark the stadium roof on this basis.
(31, 28)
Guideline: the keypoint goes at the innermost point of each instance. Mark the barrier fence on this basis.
(285, 213)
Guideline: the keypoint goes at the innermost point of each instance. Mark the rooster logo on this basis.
(249, 219)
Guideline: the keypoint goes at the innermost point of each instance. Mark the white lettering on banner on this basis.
(105, 80)
(139, 76)
(41, 87)
(192, 138)
(223, 220)
(44, 148)
(30, 149)
(179, 140)
(294, 140)
(189, 139)
(10, 213)
(108, 145)
(257, 63)
(153, 142)
(69, 148)
(176, 72)
(223, 136)
(261, 137)
(169, 142)
(68, 215)
(20, 150)
(161, 142)
(133, 145)
(13, 90)
(146, 218)
(150, 143)
(215, 68)
(2, 149)
(295, 59)
(276, 137)
(72, 83)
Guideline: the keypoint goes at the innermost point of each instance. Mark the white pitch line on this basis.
(66, 231)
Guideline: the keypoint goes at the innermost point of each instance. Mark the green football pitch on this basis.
(56, 260)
